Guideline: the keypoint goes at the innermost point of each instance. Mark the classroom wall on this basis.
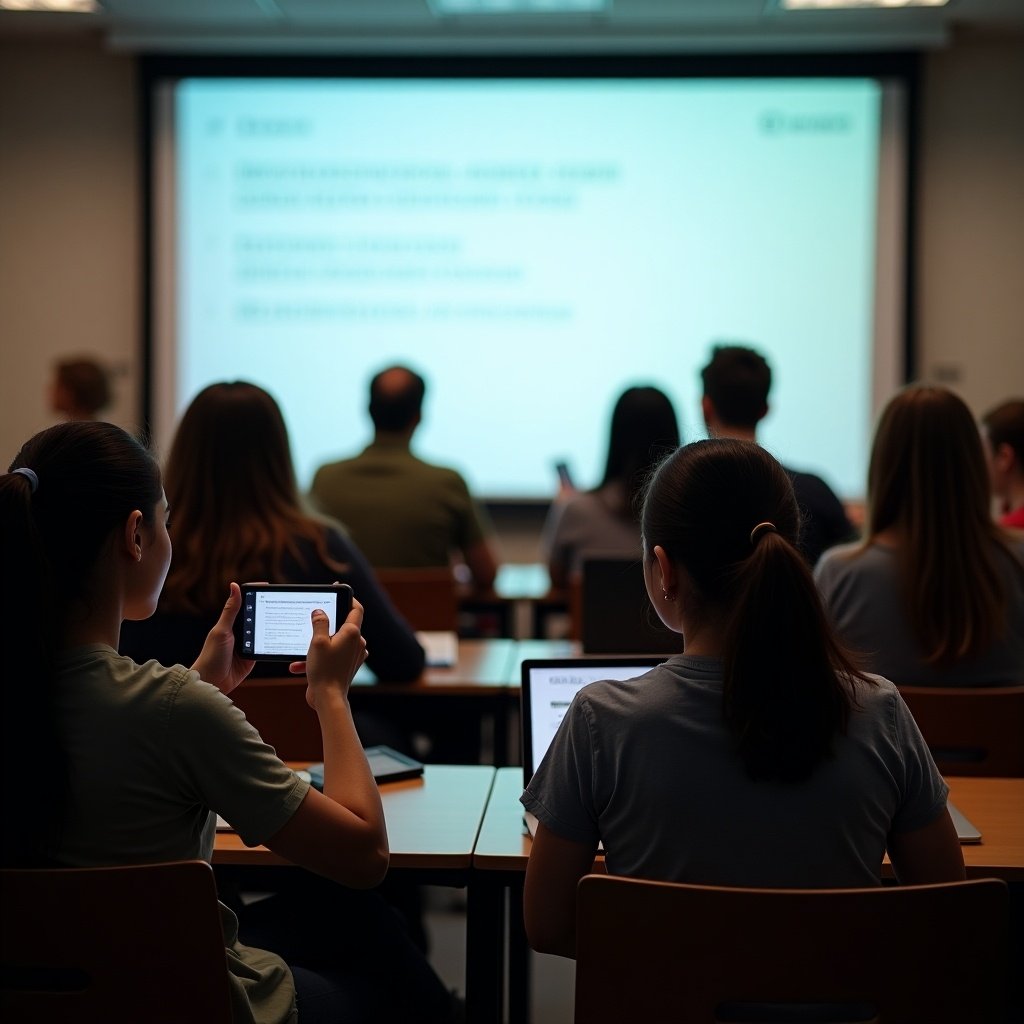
(70, 220)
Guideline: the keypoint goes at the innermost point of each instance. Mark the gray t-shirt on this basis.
(154, 754)
(648, 767)
(590, 524)
(863, 594)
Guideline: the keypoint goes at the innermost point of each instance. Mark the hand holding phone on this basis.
(332, 661)
(274, 623)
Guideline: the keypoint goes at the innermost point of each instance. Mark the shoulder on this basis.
(838, 560)
(810, 486)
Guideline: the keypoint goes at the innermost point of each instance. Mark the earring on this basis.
(665, 595)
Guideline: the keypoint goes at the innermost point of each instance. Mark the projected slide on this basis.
(532, 247)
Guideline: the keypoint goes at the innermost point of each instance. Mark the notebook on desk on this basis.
(547, 688)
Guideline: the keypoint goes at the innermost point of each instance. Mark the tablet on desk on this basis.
(386, 764)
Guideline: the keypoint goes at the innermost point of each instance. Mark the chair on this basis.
(615, 613)
(971, 731)
(277, 709)
(113, 945)
(426, 597)
(658, 951)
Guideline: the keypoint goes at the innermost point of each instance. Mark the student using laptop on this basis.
(761, 756)
(109, 762)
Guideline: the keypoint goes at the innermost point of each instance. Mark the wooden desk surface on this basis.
(481, 665)
(995, 806)
(432, 822)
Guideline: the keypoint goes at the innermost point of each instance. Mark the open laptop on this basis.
(549, 685)
(547, 688)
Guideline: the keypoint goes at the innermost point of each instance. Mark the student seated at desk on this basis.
(107, 762)
(760, 756)
(237, 516)
(934, 596)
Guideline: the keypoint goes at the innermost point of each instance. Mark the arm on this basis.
(482, 564)
(392, 650)
(340, 833)
(928, 854)
(549, 901)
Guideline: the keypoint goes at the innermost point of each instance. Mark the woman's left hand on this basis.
(217, 662)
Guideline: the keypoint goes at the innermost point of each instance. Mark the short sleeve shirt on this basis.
(155, 753)
(402, 512)
(862, 591)
(648, 767)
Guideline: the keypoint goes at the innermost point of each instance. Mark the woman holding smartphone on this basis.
(131, 763)
(759, 757)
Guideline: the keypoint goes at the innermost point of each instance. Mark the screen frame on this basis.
(899, 68)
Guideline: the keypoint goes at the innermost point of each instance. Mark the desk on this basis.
(432, 828)
(995, 806)
(476, 686)
(519, 603)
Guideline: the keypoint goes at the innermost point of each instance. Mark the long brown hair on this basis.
(928, 480)
(234, 505)
(788, 683)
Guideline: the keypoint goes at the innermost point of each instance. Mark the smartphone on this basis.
(564, 477)
(274, 622)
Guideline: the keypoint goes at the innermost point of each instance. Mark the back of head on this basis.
(787, 683)
(928, 481)
(82, 480)
(232, 494)
(1004, 425)
(737, 381)
(83, 387)
(396, 399)
(643, 429)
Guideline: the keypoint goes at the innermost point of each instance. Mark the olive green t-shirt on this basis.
(154, 754)
(402, 512)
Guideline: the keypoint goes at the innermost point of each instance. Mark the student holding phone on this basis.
(759, 757)
(109, 762)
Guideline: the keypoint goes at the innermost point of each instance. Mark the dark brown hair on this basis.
(928, 479)
(91, 477)
(234, 504)
(788, 683)
(737, 380)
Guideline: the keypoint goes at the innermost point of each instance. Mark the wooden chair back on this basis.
(657, 951)
(278, 710)
(113, 945)
(426, 597)
(616, 616)
(973, 730)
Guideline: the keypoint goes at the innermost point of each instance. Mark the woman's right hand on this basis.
(332, 661)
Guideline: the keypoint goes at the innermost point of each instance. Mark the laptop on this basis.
(616, 614)
(548, 686)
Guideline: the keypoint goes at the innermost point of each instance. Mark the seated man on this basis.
(736, 386)
(1003, 431)
(401, 511)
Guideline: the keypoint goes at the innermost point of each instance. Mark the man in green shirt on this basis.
(403, 512)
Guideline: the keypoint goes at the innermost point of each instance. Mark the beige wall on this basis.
(69, 223)
(70, 220)
(970, 240)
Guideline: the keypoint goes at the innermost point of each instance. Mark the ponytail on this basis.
(725, 511)
(68, 488)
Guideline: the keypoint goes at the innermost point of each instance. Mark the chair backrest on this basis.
(971, 731)
(657, 951)
(616, 616)
(113, 945)
(426, 597)
(277, 709)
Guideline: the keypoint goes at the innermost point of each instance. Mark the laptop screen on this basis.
(548, 687)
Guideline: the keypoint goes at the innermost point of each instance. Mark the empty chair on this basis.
(426, 597)
(973, 730)
(615, 614)
(658, 951)
(114, 945)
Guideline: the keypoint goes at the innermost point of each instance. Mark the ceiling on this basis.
(400, 26)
